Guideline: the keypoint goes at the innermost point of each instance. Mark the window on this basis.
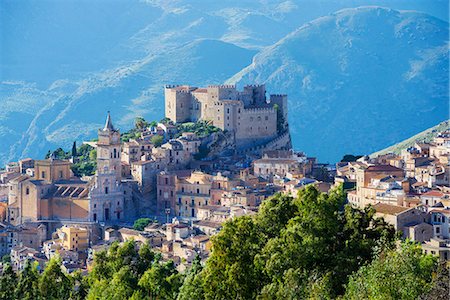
(27, 191)
(198, 191)
(95, 217)
(106, 190)
(43, 174)
(438, 230)
(171, 193)
(95, 205)
(60, 174)
(166, 180)
(115, 153)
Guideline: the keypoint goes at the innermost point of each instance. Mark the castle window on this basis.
(106, 190)
(259, 118)
(27, 191)
(239, 111)
(228, 110)
(267, 118)
(115, 153)
(43, 174)
(182, 189)
(166, 180)
(171, 193)
(95, 217)
(198, 191)
(111, 154)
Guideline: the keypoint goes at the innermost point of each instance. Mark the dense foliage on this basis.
(310, 247)
(200, 128)
(141, 223)
(84, 158)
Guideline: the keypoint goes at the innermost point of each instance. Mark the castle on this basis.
(247, 115)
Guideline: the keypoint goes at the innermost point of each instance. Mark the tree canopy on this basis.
(313, 246)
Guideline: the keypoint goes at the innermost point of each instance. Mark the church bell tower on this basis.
(108, 150)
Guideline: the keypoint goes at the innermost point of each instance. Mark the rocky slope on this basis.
(63, 65)
(424, 136)
(358, 79)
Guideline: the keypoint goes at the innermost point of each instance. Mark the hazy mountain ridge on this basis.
(73, 73)
(356, 70)
(424, 136)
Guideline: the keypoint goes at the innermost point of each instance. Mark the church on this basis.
(55, 197)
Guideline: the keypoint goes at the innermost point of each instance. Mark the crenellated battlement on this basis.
(222, 86)
(258, 110)
(277, 96)
(254, 85)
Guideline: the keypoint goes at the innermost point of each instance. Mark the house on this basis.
(438, 247)
(412, 222)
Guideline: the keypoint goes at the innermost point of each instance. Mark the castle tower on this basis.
(108, 150)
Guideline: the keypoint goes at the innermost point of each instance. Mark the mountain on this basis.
(75, 111)
(64, 64)
(359, 79)
(424, 136)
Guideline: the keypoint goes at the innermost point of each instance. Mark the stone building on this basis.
(248, 115)
(53, 196)
(184, 192)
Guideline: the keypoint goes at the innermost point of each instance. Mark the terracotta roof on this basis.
(388, 209)
(382, 168)
(433, 194)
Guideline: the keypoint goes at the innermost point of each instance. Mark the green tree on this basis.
(403, 273)
(322, 244)
(53, 283)
(74, 149)
(140, 123)
(141, 223)
(230, 272)
(157, 140)
(161, 281)
(28, 284)
(93, 155)
(275, 213)
(192, 287)
(80, 286)
(8, 283)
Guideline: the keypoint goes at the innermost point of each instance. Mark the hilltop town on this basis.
(218, 154)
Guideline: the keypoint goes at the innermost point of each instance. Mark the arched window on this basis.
(115, 153)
